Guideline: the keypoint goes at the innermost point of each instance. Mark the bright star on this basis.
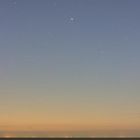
(71, 19)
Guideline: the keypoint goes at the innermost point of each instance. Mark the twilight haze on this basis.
(70, 67)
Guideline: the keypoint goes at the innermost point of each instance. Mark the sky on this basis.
(69, 67)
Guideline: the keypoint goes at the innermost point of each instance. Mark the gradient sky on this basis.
(70, 65)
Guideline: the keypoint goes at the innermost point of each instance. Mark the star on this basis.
(72, 19)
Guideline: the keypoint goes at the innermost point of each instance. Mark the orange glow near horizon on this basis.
(69, 127)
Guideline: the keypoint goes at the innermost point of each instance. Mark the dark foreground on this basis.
(75, 138)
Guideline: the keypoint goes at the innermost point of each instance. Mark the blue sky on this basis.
(70, 62)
